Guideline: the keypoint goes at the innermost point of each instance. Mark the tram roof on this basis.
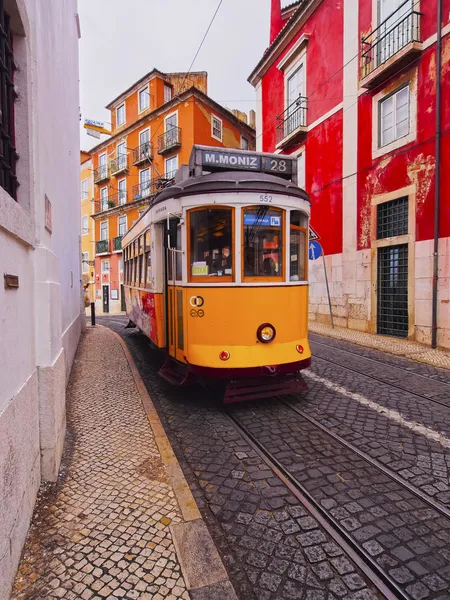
(231, 181)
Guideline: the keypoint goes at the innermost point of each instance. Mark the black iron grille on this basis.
(392, 218)
(392, 305)
(8, 154)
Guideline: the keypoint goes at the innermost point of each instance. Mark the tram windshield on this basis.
(263, 243)
(211, 248)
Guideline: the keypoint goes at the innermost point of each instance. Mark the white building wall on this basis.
(40, 321)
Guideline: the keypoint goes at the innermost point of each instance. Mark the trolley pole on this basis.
(328, 289)
(92, 313)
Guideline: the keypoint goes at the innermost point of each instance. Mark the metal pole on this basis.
(328, 289)
(92, 313)
(437, 193)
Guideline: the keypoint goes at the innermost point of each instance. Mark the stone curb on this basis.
(200, 562)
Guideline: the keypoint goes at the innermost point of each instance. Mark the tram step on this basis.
(251, 389)
(175, 374)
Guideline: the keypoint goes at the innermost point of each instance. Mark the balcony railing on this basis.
(142, 153)
(148, 189)
(117, 243)
(399, 31)
(102, 247)
(119, 164)
(292, 122)
(169, 140)
(111, 202)
(101, 174)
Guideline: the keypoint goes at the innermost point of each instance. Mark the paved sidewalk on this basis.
(412, 350)
(121, 521)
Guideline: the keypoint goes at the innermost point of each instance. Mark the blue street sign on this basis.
(315, 250)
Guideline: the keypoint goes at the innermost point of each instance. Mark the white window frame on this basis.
(147, 95)
(377, 151)
(212, 127)
(124, 179)
(85, 230)
(107, 231)
(124, 115)
(165, 164)
(395, 123)
(101, 198)
(104, 166)
(85, 261)
(168, 117)
(84, 193)
(149, 135)
(167, 87)
(119, 218)
(105, 271)
(145, 193)
(246, 139)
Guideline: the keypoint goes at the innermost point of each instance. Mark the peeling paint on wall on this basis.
(372, 188)
(421, 173)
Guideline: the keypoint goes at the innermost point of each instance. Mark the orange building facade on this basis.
(155, 123)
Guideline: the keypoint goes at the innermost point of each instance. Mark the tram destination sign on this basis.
(246, 161)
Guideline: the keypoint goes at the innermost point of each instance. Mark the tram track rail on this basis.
(380, 379)
(377, 575)
(362, 559)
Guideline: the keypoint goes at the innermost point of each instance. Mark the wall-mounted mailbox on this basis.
(11, 281)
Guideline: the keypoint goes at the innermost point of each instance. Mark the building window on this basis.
(84, 225)
(394, 116)
(211, 243)
(104, 198)
(144, 99)
(85, 262)
(122, 225)
(120, 265)
(167, 93)
(120, 115)
(122, 191)
(84, 189)
(104, 230)
(171, 167)
(144, 183)
(102, 166)
(244, 143)
(392, 218)
(8, 154)
(105, 266)
(216, 126)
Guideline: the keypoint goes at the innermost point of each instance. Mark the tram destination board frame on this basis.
(205, 158)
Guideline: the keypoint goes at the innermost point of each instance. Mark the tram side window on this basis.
(263, 242)
(298, 246)
(211, 242)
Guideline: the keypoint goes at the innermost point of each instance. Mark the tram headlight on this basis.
(266, 333)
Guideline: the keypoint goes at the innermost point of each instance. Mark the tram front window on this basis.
(263, 242)
(211, 246)
(297, 246)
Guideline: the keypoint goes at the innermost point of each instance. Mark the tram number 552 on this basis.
(265, 199)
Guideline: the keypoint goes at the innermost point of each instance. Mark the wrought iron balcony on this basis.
(390, 46)
(147, 189)
(291, 124)
(169, 140)
(142, 153)
(117, 243)
(101, 174)
(119, 164)
(111, 202)
(102, 247)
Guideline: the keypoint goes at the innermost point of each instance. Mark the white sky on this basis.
(122, 40)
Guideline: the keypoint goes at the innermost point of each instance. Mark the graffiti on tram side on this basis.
(143, 312)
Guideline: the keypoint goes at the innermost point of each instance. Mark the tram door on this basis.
(175, 297)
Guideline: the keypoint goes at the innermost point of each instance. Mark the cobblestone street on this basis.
(103, 530)
(362, 486)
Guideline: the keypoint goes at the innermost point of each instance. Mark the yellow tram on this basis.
(216, 272)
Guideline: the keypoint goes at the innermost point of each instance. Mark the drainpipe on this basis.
(437, 193)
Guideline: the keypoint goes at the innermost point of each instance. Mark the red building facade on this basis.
(351, 87)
